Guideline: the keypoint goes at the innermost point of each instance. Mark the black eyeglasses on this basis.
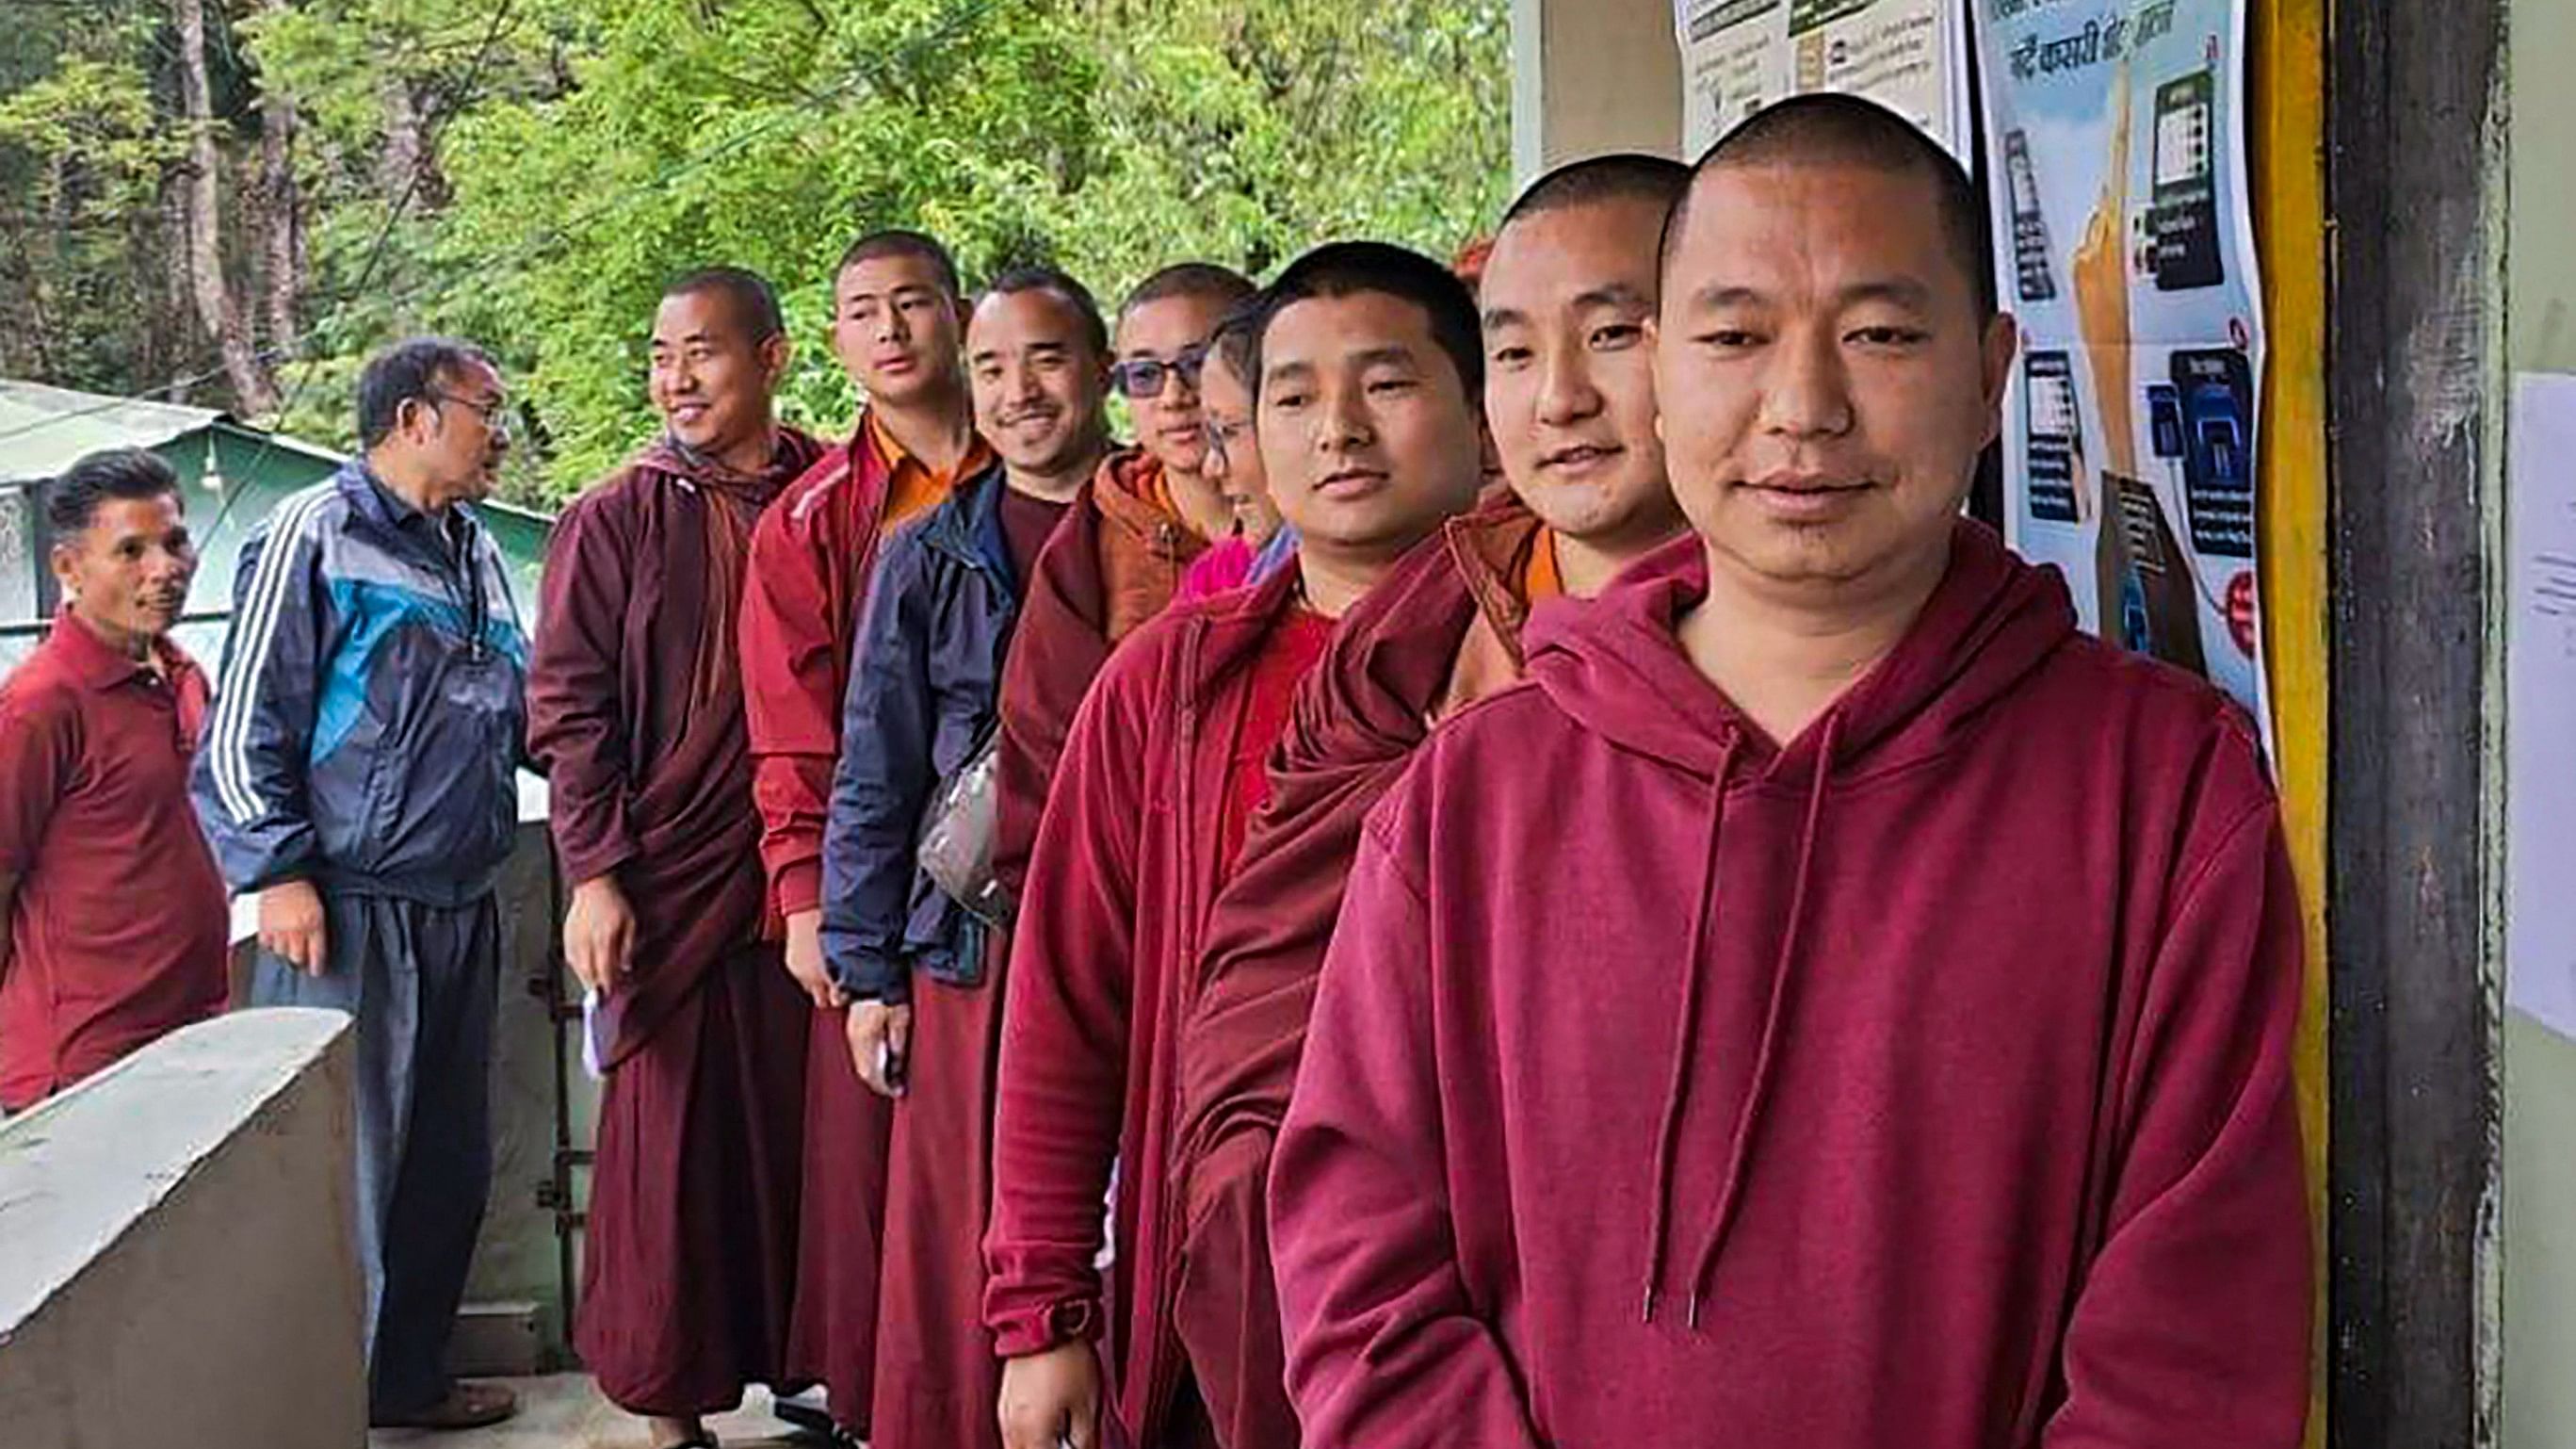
(495, 414)
(1143, 377)
(1223, 438)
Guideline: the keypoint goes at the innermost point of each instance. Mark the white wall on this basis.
(180, 1262)
(1590, 76)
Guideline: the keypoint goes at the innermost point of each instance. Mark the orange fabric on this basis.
(1540, 580)
(913, 487)
(1145, 544)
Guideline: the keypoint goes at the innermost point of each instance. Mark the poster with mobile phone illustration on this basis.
(2114, 137)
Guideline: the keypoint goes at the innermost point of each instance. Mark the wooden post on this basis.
(2412, 364)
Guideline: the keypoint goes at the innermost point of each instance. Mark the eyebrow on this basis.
(983, 355)
(1902, 291)
(1397, 353)
(1616, 294)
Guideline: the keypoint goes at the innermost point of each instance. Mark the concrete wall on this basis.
(180, 1264)
(1594, 76)
(516, 1314)
(2539, 1208)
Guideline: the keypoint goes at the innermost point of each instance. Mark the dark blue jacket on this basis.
(925, 677)
(369, 720)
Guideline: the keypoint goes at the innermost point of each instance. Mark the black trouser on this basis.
(423, 983)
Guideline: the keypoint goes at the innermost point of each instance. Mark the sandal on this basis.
(465, 1406)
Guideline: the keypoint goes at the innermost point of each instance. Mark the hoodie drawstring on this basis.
(1730, 1188)
(1686, 1027)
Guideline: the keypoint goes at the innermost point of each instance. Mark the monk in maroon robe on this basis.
(924, 984)
(896, 318)
(1368, 367)
(1570, 405)
(635, 709)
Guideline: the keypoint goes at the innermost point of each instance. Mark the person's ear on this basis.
(65, 562)
(774, 357)
(2002, 343)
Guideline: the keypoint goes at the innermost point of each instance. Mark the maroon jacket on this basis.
(811, 559)
(1113, 563)
(1125, 868)
(1926, 1080)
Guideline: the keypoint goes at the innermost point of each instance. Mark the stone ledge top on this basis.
(80, 1170)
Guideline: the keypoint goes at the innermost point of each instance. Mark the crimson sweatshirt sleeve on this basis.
(791, 674)
(2191, 1329)
(1384, 1349)
(1063, 1088)
(575, 726)
(1055, 653)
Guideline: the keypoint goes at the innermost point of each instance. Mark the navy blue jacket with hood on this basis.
(925, 681)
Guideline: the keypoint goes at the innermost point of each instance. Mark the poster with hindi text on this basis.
(1740, 55)
(2114, 137)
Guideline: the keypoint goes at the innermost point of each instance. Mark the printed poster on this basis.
(2124, 241)
(1740, 55)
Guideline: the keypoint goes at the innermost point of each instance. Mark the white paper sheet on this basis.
(2540, 704)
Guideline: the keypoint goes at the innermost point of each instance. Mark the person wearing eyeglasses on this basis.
(1261, 541)
(359, 776)
(1117, 559)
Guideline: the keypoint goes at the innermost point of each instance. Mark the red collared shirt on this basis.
(117, 931)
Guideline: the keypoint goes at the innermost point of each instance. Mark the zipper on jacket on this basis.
(1162, 1370)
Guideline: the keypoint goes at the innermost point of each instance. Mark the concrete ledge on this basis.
(179, 1263)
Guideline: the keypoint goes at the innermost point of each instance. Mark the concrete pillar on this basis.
(1590, 76)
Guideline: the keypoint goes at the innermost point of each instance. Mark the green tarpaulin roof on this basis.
(43, 429)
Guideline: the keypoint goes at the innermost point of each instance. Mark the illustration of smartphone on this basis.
(2214, 392)
(2052, 428)
(2030, 229)
(2164, 420)
(2148, 603)
(2183, 216)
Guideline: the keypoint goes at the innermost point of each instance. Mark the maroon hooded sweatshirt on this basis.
(1128, 860)
(1926, 1081)
(1438, 633)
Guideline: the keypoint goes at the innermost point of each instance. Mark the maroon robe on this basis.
(1444, 627)
(1115, 561)
(811, 560)
(1108, 938)
(635, 709)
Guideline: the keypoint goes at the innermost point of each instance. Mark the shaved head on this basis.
(1620, 176)
(1827, 130)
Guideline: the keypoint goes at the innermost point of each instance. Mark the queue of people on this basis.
(1262, 935)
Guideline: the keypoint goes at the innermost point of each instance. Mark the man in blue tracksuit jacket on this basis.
(359, 775)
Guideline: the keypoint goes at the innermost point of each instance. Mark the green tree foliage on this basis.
(547, 175)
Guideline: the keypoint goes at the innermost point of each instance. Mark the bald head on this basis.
(1839, 131)
(1621, 176)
